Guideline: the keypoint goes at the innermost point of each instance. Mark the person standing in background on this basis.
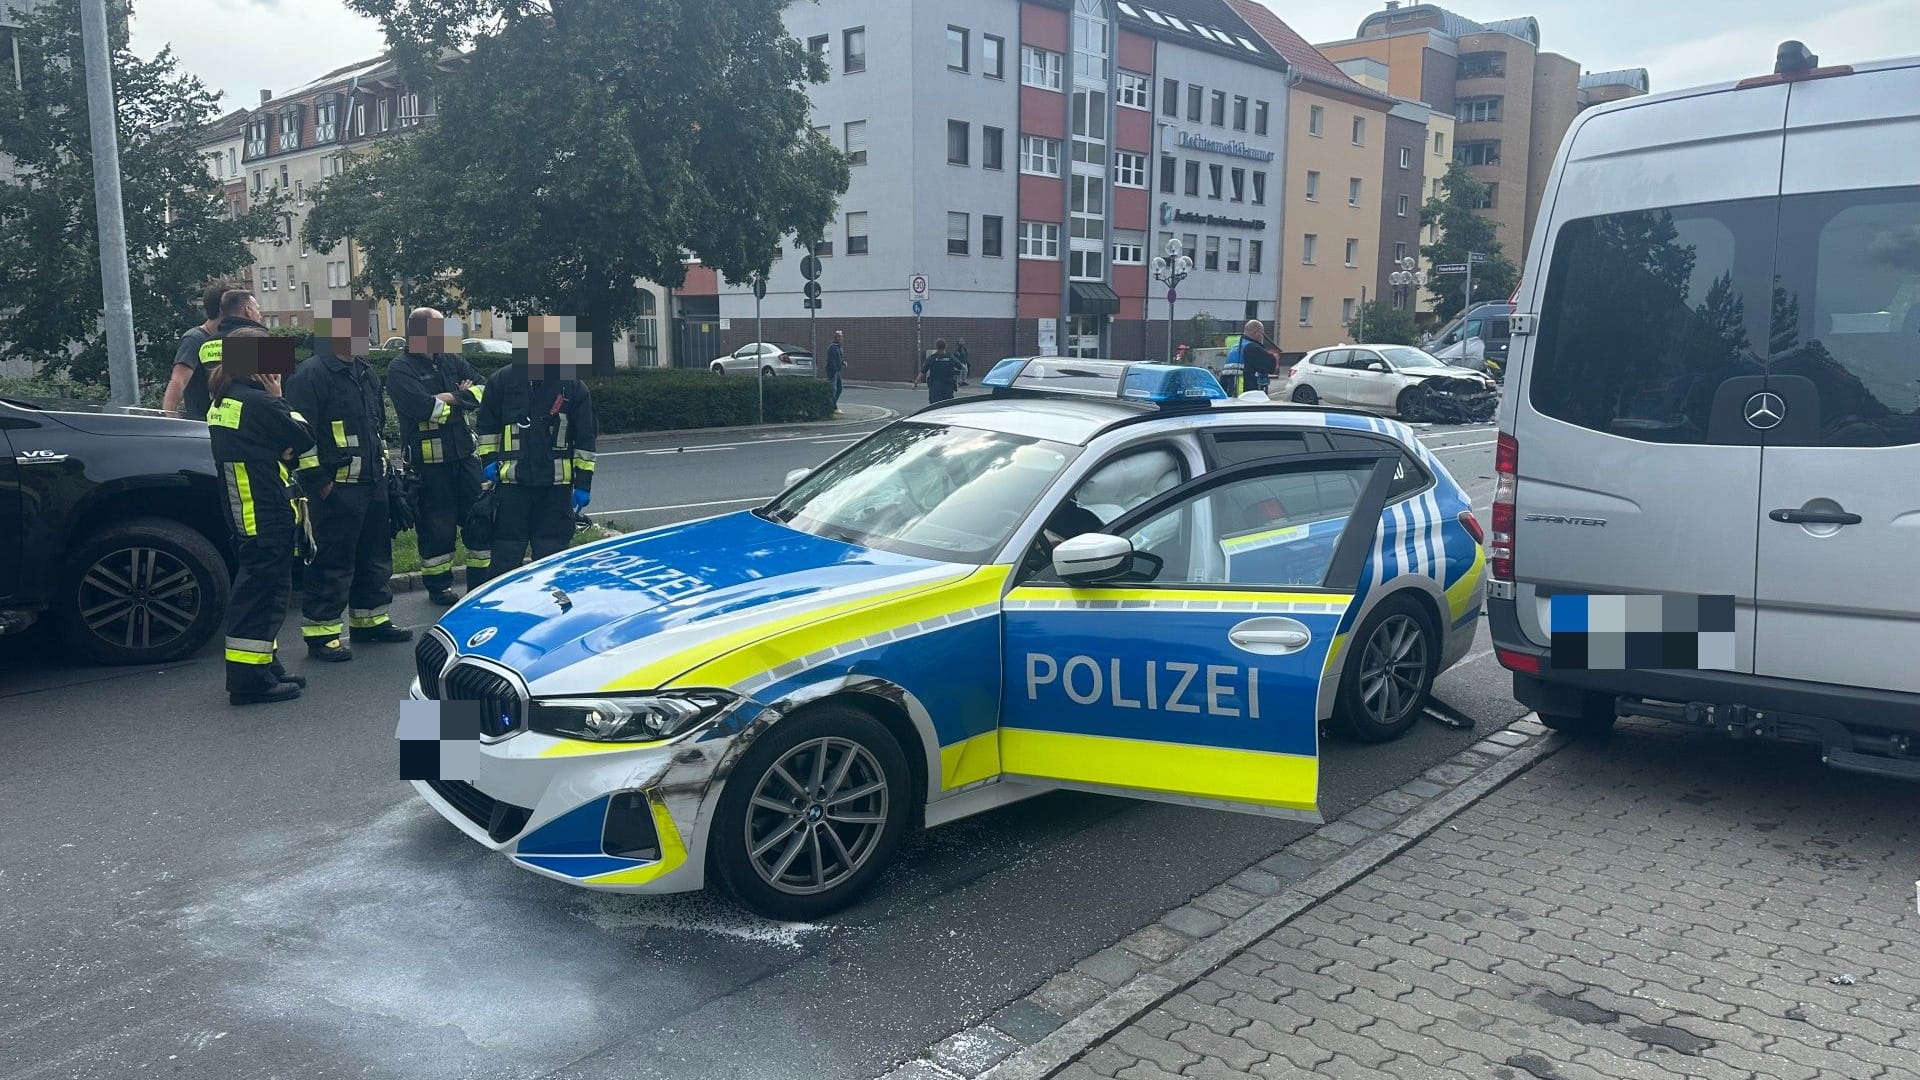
(960, 354)
(188, 383)
(836, 365)
(536, 434)
(434, 390)
(941, 373)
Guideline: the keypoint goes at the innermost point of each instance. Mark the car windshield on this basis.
(1406, 357)
(930, 490)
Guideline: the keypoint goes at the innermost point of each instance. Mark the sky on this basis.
(243, 46)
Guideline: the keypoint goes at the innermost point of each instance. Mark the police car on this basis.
(1104, 576)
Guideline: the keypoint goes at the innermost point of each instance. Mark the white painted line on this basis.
(1472, 657)
(835, 442)
(681, 506)
(1461, 446)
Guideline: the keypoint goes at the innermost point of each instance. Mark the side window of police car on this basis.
(1114, 487)
(1263, 530)
(1408, 475)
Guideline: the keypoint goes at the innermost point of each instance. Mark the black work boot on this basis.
(330, 650)
(280, 672)
(257, 686)
(444, 597)
(383, 633)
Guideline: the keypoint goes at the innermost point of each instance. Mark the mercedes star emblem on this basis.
(1765, 410)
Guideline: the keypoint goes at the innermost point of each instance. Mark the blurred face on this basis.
(554, 347)
(351, 321)
(433, 334)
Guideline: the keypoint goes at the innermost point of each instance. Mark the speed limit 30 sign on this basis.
(917, 288)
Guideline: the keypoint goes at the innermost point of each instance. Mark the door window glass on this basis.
(1647, 313)
(1409, 476)
(1240, 447)
(1266, 530)
(1847, 312)
(1110, 490)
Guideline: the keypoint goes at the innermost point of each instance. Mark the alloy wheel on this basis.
(1393, 670)
(816, 815)
(139, 598)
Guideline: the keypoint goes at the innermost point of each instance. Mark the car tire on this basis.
(858, 851)
(1594, 715)
(1304, 395)
(128, 556)
(767, 371)
(1388, 672)
(1412, 404)
(719, 369)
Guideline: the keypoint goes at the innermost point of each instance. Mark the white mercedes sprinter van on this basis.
(1715, 391)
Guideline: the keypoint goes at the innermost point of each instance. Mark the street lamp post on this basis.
(1170, 270)
(1409, 274)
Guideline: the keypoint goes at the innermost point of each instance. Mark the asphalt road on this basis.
(192, 890)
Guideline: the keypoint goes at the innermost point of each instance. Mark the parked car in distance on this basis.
(1396, 379)
(486, 347)
(768, 358)
(113, 527)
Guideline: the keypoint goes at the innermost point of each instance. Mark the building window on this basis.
(306, 294)
(1039, 156)
(1255, 248)
(817, 46)
(1259, 189)
(1353, 191)
(257, 139)
(1359, 131)
(1170, 97)
(1215, 173)
(360, 118)
(1167, 170)
(993, 148)
(1233, 255)
(853, 50)
(1353, 252)
(1238, 188)
(1489, 199)
(1399, 250)
(1309, 249)
(1482, 65)
(290, 129)
(1481, 152)
(1090, 127)
(1134, 91)
(1212, 259)
(1196, 100)
(992, 228)
(285, 183)
(1306, 311)
(1440, 144)
(1190, 242)
(326, 121)
(856, 135)
(959, 230)
(1313, 185)
(1218, 113)
(1193, 178)
(1406, 157)
(1401, 205)
(300, 194)
(1130, 250)
(266, 279)
(290, 277)
(1259, 118)
(1039, 67)
(1480, 110)
(856, 232)
(993, 56)
(1090, 40)
(383, 114)
(957, 40)
(1346, 312)
(1039, 240)
(1316, 121)
(1129, 169)
(410, 111)
(958, 138)
(1239, 113)
(1087, 205)
(1083, 264)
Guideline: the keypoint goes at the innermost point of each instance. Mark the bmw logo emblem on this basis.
(482, 637)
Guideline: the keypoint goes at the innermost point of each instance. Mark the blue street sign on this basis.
(916, 307)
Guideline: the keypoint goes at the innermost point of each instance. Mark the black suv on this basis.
(113, 527)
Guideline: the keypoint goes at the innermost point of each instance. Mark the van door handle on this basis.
(1815, 517)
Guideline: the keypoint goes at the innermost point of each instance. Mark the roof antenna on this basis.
(1794, 58)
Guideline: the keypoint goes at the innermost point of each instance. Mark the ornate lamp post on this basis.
(1170, 270)
(1409, 274)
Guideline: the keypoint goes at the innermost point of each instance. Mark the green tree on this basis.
(582, 145)
(1380, 323)
(1463, 229)
(179, 231)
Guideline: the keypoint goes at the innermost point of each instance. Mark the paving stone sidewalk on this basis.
(1661, 904)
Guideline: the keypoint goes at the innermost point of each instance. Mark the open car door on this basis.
(1194, 673)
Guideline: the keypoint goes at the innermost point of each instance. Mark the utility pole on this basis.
(760, 344)
(117, 295)
(1472, 257)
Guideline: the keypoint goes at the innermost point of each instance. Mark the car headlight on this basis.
(636, 718)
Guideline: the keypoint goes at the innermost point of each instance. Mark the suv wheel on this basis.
(1593, 715)
(812, 813)
(1389, 670)
(142, 591)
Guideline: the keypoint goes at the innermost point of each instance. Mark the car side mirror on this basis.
(1092, 557)
(1376, 366)
(796, 475)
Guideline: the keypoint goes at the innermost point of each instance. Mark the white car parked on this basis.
(769, 358)
(1396, 379)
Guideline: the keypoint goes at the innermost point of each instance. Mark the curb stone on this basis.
(1195, 938)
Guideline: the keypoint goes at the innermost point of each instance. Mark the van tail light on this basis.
(1506, 484)
(1472, 525)
(1513, 660)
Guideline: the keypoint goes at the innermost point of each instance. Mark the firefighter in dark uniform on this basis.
(345, 478)
(433, 393)
(536, 436)
(256, 436)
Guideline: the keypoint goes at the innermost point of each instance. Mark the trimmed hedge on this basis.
(670, 400)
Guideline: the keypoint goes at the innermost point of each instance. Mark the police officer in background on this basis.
(434, 391)
(255, 437)
(940, 371)
(1252, 356)
(536, 436)
(188, 383)
(345, 477)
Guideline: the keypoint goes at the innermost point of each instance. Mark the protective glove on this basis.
(580, 499)
(491, 472)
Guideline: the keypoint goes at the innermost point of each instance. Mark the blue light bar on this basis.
(1164, 384)
(1153, 384)
(1004, 372)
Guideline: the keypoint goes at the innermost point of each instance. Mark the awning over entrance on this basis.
(1093, 298)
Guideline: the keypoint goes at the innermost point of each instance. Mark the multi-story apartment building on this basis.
(1512, 102)
(1030, 158)
(1598, 87)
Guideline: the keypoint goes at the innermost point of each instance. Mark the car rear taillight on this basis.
(1506, 484)
(781, 359)
(1517, 661)
(1293, 373)
(1472, 525)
